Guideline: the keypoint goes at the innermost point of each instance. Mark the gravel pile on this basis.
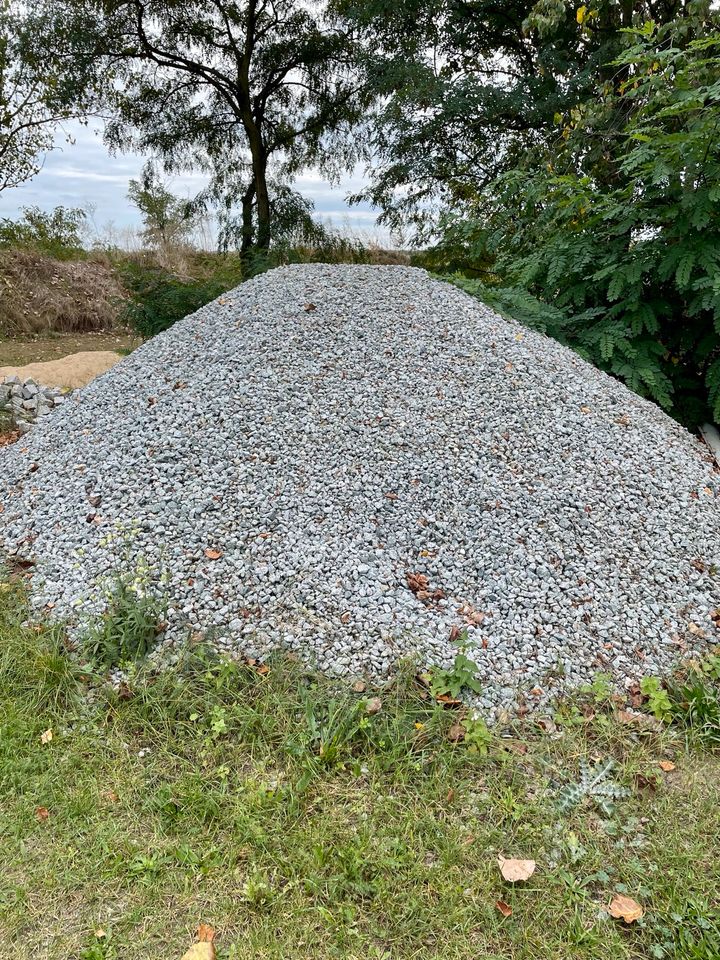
(359, 464)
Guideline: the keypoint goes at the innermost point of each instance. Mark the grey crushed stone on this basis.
(330, 429)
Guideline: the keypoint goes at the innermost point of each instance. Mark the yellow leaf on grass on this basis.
(581, 14)
(515, 870)
(625, 908)
(46, 737)
(200, 951)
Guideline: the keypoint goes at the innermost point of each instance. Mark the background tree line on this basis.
(561, 160)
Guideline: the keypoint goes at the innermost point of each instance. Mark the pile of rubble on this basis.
(26, 401)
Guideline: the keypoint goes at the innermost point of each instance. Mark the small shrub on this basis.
(694, 703)
(159, 298)
(462, 674)
(658, 700)
(126, 631)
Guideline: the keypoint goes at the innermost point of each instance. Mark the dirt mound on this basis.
(76, 370)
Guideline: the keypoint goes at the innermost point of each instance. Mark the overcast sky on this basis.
(84, 173)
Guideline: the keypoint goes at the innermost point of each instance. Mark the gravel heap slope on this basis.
(355, 463)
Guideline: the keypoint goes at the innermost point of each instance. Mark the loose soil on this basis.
(18, 352)
(74, 371)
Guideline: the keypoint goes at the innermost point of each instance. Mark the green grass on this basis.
(276, 809)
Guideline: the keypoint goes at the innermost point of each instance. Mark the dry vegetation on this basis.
(43, 295)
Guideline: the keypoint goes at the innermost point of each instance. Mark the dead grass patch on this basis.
(41, 295)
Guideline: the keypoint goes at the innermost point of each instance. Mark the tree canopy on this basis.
(37, 94)
(252, 92)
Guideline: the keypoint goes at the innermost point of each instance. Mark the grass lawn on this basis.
(297, 824)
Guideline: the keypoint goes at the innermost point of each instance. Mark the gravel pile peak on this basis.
(361, 464)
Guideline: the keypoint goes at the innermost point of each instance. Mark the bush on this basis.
(617, 225)
(57, 234)
(158, 297)
(126, 631)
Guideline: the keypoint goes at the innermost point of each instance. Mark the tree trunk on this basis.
(259, 173)
(263, 201)
(248, 198)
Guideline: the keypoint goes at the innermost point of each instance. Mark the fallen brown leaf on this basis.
(625, 908)
(504, 909)
(666, 765)
(42, 813)
(213, 554)
(456, 733)
(46, 737)
(417, 581)
(359, 686)
(374, 705)
(447, 701)
(516, 870)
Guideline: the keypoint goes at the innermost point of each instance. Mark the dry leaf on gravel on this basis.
(516, 870)
(625, 908)
(448, 701)
(213, 554)
(504, 909)
(666, 765)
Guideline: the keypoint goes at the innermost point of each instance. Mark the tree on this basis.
(261, 87)
(167, 219)
(35, 98)
(614, 223)
(465, 87)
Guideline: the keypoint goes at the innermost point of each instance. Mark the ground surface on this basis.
(300, 825)
(19, 352)
(75, 370)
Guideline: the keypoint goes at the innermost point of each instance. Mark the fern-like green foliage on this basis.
(609, 238)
